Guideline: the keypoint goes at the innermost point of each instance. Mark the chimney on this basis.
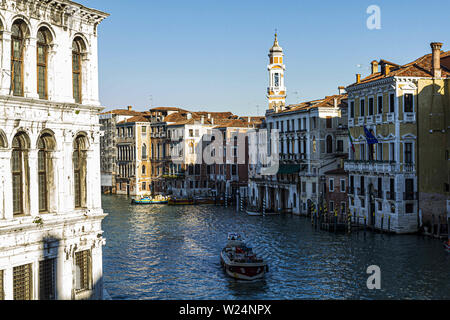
(209, 115)
(341, 90)
(358, 78)
(374, 64)
(203, 120)
(335, 103)
(189, 116)
(436, 56)
(129, 108)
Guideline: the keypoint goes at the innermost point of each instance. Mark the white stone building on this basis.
(50, 206)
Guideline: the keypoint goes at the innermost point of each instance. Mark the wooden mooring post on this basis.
(382, 223)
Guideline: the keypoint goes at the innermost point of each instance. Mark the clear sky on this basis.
(212, 55)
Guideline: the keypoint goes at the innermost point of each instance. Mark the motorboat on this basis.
(240, 262)
(159, 199)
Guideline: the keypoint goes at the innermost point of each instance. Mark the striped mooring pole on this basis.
(242, 204)
(226, 199)
(264, 207)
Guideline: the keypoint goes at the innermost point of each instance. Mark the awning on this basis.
(289, 168)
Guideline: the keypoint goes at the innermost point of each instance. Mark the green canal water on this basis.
(164, 253)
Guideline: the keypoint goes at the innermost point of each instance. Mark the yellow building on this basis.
(403, 179)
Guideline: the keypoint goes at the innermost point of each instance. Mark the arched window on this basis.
(17, 51)
(43, 41)
(77, 46)
(19, 171)
(45, 146)
(79, 168)
(329, 144)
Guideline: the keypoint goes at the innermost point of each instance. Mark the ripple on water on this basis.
(162, 252)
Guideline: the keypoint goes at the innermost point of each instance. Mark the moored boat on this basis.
(240, 262)
(149, 200)
(180, 202)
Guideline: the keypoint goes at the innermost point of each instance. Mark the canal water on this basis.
(165, 253)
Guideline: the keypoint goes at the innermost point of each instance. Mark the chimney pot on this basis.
(358, 78)
(130, 108)
(341, 90)
(436, 57)
(374, 64)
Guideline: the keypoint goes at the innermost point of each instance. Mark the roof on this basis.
(168, 109)
(123, 112)
(139, 118)
(327, 102)
(421, 67)
(339, 171)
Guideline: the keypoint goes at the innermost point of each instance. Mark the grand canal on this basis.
(161, 252)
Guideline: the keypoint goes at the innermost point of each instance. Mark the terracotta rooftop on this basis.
(123, 112)
(421, 67)
(139, 118)
(327, 102)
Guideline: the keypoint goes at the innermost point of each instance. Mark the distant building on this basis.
(336, 189)
(108, 145)
(50, 201)
(312, 136)
(404, 175)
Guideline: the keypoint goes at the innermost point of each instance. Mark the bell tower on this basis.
(276, 92)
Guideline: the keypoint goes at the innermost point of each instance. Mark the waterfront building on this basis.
(50, 204)
(336, 191)
(312, 138)
(402, 174)
(133, 161)
(108, 145)
(229, 177)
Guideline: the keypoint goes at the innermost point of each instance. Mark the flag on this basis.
(351, 141)
(370, 137)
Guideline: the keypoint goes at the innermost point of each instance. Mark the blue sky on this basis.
(212, 55)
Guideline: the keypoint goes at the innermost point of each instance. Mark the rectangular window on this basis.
(408, 153)
(47, 279)
(408, 102)
(361, 108)
(380, 104)
(362, 154)
(392, 103)
(329, 123)
(23, 282)
(343, 207)
(391, 151)
(191, 133)
(331, 206)
(314, 188)
(233, 169)
(343, 186)
(352, 109)
(380, 152)
(370, 106)
(83, 270)
(340, 146)
(331, 187)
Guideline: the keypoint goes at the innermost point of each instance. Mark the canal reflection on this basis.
(162, 252)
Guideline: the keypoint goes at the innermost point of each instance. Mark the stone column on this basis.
(51, 72)
(33, 183)
(5, 55)
(6, 205)
(30, 70)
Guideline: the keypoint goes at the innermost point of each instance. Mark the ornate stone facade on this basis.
(50, 206)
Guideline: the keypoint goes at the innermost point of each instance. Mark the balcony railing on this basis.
(361, 121)
(379, 118)
(390, 117)
(351, 122)
(369, 119)
(409, 116)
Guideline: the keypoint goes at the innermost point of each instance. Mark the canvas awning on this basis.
(289, 168)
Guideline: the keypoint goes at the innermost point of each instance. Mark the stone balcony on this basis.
(381, 167)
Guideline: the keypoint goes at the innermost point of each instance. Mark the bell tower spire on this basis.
(276, 92)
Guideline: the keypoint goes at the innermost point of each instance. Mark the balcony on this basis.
(361, 191)
(369, 119)
(361, 121)
(409, 117)
(369, 166)
(351, 122)
(390, 117)
(379, 118)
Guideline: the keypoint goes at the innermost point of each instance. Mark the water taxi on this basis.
(239, 261)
